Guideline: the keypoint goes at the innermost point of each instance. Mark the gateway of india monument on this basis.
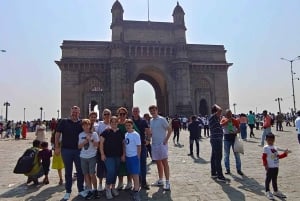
(187, 78)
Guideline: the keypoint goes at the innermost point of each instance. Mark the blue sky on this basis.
(256, 34)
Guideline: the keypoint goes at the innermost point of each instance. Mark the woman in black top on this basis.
(112, 153)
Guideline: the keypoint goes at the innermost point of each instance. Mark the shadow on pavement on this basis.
(200, 160)
(232, 193)
(250, 185)
(162, 195)
(47, 193)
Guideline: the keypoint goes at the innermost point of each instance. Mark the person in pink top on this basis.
(266, 127)
(243, 126)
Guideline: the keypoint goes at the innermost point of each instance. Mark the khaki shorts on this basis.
(159, 151)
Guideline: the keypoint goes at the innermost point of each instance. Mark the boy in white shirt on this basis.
(88, 143)
(133, 152)
(270, 159)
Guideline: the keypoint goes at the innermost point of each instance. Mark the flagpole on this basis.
(148, 12)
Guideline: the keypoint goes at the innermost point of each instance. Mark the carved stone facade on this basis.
(187, 78)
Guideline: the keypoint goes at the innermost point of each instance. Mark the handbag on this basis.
(238, 145)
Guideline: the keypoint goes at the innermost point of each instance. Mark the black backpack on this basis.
(25, 162)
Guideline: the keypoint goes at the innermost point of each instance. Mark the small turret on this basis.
(178, 15)
(117, 12)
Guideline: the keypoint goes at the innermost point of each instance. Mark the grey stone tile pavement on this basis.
(190, 177)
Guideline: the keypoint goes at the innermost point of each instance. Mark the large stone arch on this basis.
(158, 81)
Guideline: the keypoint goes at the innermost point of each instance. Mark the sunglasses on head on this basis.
(122, 114)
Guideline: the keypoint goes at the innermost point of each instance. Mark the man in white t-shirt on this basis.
(161, 132)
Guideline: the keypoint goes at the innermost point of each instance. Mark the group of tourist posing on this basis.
(111, 149)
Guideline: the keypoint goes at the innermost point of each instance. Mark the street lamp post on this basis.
(292, 75)
(101, 101)
(234, 104)
(41, 113)
(57, 114)
(6, 104)
(24, 113)
(279, 99)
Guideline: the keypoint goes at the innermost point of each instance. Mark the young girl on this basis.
(270, 159)
(44, 156)
(133, 151)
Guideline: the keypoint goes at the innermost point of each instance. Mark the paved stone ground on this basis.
(190, 177)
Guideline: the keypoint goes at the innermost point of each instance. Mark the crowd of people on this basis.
(118, 146)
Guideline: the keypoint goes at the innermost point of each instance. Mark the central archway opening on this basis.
(143, 96)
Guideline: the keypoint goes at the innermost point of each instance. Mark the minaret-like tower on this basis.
(178, 20)
(117, 21)
(178, 15)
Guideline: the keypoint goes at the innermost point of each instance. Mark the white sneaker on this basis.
(120, 186)
(167, 187)
(269, 195)
(82, 194)
(108, 194)
(128, 186)
(114, 192)
(158, 183)
(67, 196)
(100, 188)
(279, 194)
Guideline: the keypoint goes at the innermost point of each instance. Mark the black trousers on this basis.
(192, 140)
(271, 175)
(176, 135)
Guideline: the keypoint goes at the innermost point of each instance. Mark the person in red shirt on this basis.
(24, 130)
(176, 126)
(231, 127)
(53, 125)
(266, 127)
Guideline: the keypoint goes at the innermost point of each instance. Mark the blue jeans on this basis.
(243, 128)
(112, 165)
(238, 164)
(216, 157)
(143, 164)
(69, 157)
(263, 136)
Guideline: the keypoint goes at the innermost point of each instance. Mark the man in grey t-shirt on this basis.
(161, 132)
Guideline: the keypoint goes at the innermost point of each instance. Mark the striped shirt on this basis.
(216, 131)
